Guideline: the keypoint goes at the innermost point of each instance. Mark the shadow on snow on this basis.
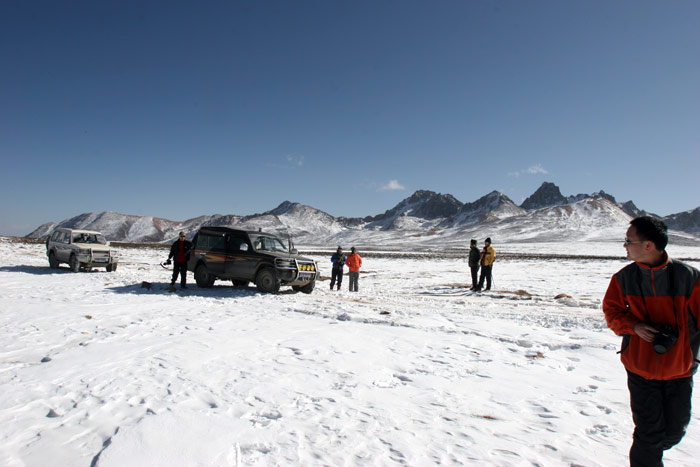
(217, 291)
(46, 270)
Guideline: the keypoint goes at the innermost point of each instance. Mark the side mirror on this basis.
(244, 247)
(295, 251)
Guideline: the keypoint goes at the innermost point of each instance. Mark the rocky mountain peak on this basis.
(283, 208)
(548, 194)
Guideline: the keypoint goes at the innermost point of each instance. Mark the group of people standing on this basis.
(354, 262)
(481, 260)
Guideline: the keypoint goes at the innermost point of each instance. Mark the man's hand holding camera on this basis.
(645, 331)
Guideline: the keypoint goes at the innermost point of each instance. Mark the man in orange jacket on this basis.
(354, 263)
(654, 303)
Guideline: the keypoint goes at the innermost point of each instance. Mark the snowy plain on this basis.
(412, 370)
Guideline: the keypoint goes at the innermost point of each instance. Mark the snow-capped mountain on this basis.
(423, 220)
(688, 221)
(491, 207)
(422, 209)
(288, 218)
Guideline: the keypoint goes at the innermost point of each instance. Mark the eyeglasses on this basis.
(629, 242)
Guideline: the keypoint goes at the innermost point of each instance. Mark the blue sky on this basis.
(179, 109)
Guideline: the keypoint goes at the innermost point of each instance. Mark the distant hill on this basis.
(423, 218)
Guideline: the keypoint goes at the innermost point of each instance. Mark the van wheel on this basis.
(52, 261)
(203, 278)
(111, 267)
(74, 263)
(267, 282)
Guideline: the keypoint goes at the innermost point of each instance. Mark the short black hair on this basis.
(651, 229)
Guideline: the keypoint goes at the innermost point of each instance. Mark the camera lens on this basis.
(664, 340)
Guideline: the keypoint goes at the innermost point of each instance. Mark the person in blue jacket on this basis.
(338, 260)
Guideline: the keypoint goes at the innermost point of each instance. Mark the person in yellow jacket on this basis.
(488, 256)
(354, 262)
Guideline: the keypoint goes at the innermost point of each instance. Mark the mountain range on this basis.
(425, 218)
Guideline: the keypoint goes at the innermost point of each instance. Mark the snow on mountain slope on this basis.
(590, 219)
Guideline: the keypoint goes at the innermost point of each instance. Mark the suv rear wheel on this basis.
(202, 276)
(267, 281)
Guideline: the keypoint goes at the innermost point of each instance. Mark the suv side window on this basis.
(235, 241)
(215, 243)
(65, 238)
(54, 236)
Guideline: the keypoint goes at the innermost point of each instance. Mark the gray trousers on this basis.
(354, 277)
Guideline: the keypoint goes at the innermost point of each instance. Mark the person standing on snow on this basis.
(180, 250)
(488, 256)
(474, 260)
(654, 303)
(338, 260)
(354, 262)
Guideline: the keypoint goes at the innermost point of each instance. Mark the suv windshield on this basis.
(267, 243)
(89, 238)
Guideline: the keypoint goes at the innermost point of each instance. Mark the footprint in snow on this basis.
(264, 419)
(585, 389)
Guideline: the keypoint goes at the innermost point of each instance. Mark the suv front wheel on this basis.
(74, 263)
(53, 263)
(202, 276)
(267, 281)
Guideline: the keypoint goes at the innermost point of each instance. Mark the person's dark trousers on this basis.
(336, 274)
(180, 268)
(485, 274)
(354, 279)
(661, 413)
(475, 276)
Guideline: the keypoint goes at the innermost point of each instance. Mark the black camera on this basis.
(665, 339)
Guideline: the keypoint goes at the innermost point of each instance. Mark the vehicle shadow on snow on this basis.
(217, 291)
(43, 270)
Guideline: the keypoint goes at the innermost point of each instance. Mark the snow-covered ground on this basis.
(413, 369)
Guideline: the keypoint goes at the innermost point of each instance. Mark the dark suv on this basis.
(243, 256)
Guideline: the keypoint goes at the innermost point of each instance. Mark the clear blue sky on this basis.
(178, 109)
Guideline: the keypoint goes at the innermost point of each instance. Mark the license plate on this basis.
(99, 260)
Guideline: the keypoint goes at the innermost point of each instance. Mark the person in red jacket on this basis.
(354, 263)
(180, 251)
(654, 303)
